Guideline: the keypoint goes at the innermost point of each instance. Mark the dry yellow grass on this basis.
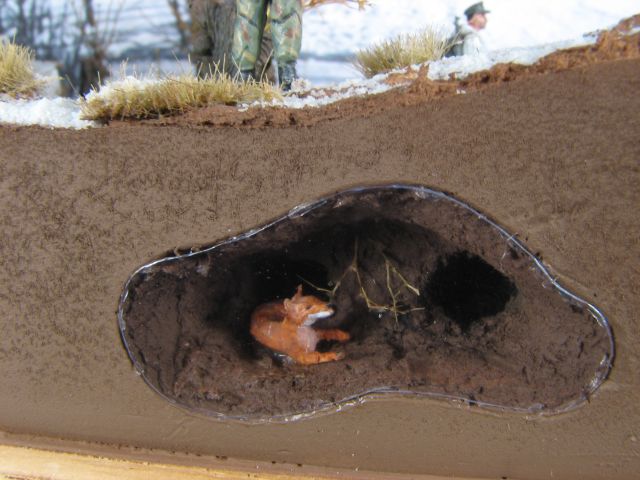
(402, 51)
(134, 98)
(17, 78)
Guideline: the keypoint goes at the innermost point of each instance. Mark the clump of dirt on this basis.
(628, 24)
(615, 44)
(437, 300)
(610, 45)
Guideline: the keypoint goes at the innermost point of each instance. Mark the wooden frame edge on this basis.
(25, 463)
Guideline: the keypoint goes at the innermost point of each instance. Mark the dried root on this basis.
(393, 277)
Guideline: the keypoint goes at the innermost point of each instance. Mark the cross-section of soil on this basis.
(436, 299)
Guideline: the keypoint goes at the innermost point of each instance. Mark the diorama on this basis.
(380, 290)
(337, 258)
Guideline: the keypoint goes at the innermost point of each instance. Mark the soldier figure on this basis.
(286, 31)
(467, 40)
(212, 24)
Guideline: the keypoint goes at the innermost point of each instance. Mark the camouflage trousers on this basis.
(286, 30)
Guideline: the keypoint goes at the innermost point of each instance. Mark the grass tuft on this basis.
(402, 51)
(134, 98)
(17, 78)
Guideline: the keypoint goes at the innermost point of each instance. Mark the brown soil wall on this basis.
(554, 158)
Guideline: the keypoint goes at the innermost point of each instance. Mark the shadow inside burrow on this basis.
(437, 300)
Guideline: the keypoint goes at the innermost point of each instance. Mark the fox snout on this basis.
(312, 318)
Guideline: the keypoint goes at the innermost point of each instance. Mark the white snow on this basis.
(47, 112)
(127, 82)
(463, 66)
(335, 30)
(460, 67)
(310, 97)
(519, 31)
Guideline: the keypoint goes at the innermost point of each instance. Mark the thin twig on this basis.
(390, 271)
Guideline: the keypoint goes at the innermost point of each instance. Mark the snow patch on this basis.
(319, 97)
(46, 112)
(126, 83)
(463, 66)
(458, 67)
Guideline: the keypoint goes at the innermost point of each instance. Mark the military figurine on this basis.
(212, 25)
(466, 40)
(285, 22)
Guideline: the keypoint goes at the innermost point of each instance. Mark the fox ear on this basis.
(298, 292)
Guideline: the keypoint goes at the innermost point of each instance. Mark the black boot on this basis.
(286, 75)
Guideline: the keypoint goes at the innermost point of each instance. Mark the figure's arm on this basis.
(472, 45)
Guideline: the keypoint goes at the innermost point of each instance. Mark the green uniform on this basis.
(286, 31)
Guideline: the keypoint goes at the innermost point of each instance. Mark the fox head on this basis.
(306, 309)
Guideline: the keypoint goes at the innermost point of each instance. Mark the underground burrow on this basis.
(431, 297)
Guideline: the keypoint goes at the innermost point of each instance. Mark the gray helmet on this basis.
(475, 8)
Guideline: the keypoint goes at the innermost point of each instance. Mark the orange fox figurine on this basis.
(286, 327)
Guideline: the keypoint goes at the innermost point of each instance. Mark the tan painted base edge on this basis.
(30, 463)
(26, 463)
